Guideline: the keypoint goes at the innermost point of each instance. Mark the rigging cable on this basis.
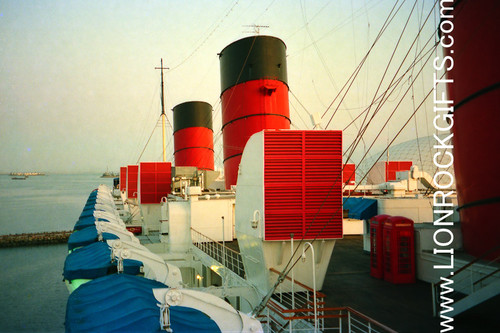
(363, 126)
(329, 32)
(144, 149)
(392, 86)
(145, 122)
(286, 270)
(208, 36)
(353, 76)
(302, 105)
(353, 146)
(395, 109)
(413, 92)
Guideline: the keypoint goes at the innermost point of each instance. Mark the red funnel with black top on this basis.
(254, 95)
(193, 135)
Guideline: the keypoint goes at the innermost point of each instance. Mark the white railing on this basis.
(227, 257)
(470, 278)
(295, 313)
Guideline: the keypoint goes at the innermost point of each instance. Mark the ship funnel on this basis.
(473, 87)
(254, 95)
(193, 135)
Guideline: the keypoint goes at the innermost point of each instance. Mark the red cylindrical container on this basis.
(254, 95)
(476, 95)
(193, 135)
(377, 245)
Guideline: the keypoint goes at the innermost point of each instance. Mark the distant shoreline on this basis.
(30, 239)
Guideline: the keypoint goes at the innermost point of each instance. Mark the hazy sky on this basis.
(79, 91)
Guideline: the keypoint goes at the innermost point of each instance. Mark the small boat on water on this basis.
(109, 174)
(19, 177)
(26, 174)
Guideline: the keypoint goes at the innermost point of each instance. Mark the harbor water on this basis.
(32, 293)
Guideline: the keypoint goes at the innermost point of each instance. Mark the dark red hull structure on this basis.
(254, 95)
(193, 135)
(475, 91)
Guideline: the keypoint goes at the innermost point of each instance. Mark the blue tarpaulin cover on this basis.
(86, 213)
(93, 261)
(361, 208)
(87, 236)
(125, 303)
(88, 221)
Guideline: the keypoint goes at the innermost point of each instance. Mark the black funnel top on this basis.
(192, 114)
(253, 58)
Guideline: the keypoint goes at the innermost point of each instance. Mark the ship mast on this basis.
(163, 115)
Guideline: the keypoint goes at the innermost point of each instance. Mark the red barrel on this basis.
(399, 250)
(476, 95)
(377, 245)
(254, 95)
(193, 135)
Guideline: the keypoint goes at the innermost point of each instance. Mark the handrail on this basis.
(224, 255)
(278, 310)
(487, 276)
(214, 241)
(454, 274)
(318, 293)
(323, 312)
(369, 319)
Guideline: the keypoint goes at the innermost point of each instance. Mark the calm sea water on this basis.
(32, 294)
(44, 203)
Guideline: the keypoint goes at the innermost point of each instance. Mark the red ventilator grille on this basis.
(349, 174)
(302, 184)
(123, 178)
(132, 171)
(155, 179)
(392, 167)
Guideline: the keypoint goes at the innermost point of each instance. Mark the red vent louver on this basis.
(155, 181)
(303, 184)
(392, 167)
(132, 173)
(123, 178)
(349, 174)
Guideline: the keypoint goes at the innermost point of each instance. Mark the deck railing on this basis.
(286, 313)
(277, 318)
(224, 255)
(468, 279)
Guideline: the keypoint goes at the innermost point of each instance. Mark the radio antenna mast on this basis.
(163, 115)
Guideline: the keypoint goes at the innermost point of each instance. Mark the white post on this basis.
(349, 321)
(340, 322)
(224, 256)
(314, 281)
(223, 244)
